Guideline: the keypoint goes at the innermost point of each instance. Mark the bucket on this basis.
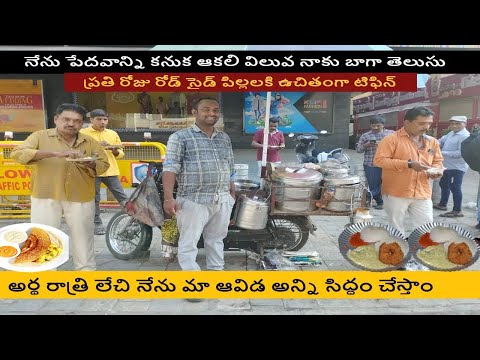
(242, 171)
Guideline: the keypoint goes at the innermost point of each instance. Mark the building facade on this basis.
(446, 95)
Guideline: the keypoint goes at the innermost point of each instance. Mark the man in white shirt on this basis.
(455, 166)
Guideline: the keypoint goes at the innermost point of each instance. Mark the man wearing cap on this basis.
(111, 142)
(276, 142)
(368, 143)
(455, 166)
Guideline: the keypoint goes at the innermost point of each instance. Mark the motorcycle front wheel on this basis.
(126, 237)
(290, 232)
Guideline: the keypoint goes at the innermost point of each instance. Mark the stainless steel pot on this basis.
(296, 189)
(336, 171)
(251, 214)
(346, 189)
(335, 180)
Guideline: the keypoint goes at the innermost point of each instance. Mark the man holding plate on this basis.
(409, 159)
(111, 142)
(65, 188)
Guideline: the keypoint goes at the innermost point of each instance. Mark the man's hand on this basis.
(418, 166)
(171, 207)
(73, 154)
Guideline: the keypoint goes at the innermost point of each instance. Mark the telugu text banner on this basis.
(240, 284)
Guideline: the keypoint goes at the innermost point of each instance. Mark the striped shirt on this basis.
(204, 165)
(370, 152)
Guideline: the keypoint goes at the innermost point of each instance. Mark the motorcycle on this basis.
(308, 151)
(128, 238)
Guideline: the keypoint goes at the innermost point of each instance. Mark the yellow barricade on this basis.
(15, 185)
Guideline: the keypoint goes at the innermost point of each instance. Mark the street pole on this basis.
(266, 130)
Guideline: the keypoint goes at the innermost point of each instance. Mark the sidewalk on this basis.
(325, 241)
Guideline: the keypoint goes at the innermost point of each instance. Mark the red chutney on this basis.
(425, 241)
(356, 241)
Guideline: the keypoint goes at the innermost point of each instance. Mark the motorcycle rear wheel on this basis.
(132, 241)
(292, 232)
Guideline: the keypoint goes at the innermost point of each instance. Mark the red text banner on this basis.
(240, 82)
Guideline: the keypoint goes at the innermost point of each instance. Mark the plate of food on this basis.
(435, 171)
(443, 247)
(30, 247)
(82, 159)
(374, 247)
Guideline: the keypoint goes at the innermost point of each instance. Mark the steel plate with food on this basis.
(30, 247)
(374, 247)
(443, 247)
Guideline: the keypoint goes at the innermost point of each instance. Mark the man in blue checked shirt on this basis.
(200, 160)
(368, 144)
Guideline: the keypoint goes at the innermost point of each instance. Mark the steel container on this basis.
(296, 190)
(251, 214)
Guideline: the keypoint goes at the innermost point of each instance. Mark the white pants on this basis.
(79, 218)
(419, 211)
(259, 162)
(210, 219)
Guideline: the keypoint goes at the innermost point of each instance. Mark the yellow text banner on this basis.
(240, 284)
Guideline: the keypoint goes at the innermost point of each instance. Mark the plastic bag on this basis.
(275, 261)
(170, 236)
(326, 197)
(145, 204)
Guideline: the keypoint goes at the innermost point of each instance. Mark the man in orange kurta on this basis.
(404, 157)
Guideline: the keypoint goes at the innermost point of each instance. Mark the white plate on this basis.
(48, 265)
(434, 171)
